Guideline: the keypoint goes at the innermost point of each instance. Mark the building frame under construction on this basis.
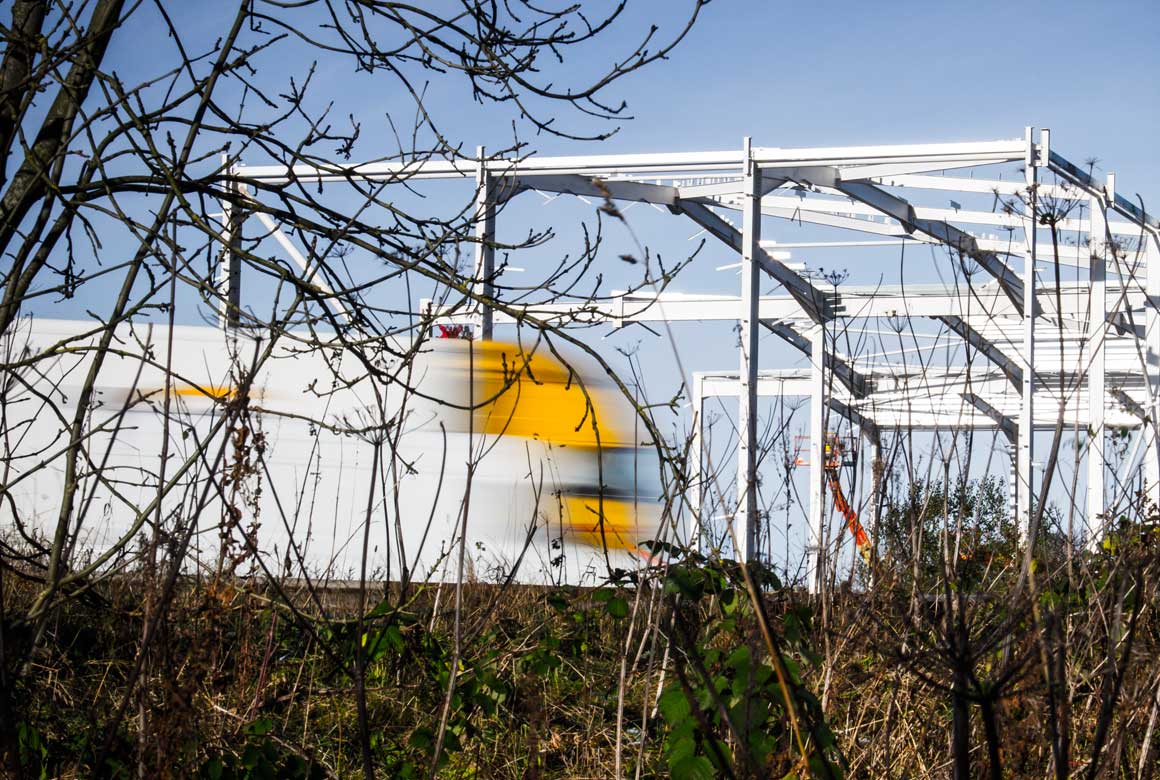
(1102, 370)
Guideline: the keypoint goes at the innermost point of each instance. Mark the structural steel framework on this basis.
(1032, 354)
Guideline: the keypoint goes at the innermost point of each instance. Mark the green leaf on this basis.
(260, 727)
(617, 607)
(739, 660)
(795, 672)
(729, 600)
(556, 601)
(692, 768)
(821, 767)
(690, 583)
(674, 706)
(656, 546)
(382, 608)
(251, 756)
(601, 595)
(421, 738)
(681, 748)
(213, 768)
(791, 628)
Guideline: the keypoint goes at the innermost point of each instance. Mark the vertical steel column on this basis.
(1152, 357)
(484, 232)
(229, 281)
(815, 555)
(746, 530)
(871, 524)
(1097, 327)
(696, 482)
(1013, 477)
(1025, 449)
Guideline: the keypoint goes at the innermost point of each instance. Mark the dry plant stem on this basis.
(151, 559)
(622, 682)
(360, 649)
(1143, 769)
(1115, 678)
(452, 672)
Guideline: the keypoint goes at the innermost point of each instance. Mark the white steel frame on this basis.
(1109, 326)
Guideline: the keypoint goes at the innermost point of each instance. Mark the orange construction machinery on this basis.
(837, 452)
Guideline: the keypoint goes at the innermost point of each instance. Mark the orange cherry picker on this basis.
(839, 452)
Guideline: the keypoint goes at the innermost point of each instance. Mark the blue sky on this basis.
(807, 74)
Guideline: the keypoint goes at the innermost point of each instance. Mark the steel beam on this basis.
(229, 279)
(876, 469)
(745, 530)
(1098, 240)
(811, 300)
(484, 235)
(852, 380)
(903, 217)
(980, 186)
(1116, 202)
(697, 472)
(815, 552)
(602, 166)
(989, 350)
(309, 273)
(933, 401)
(853, 414)
(943, 231)
(592, 187)
(1025, 448)
(937, 156)
(1006, 425)
(1151, 352)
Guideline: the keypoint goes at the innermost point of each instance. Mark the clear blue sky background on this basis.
(806, 74)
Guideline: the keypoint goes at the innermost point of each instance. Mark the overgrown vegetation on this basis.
(680, 674)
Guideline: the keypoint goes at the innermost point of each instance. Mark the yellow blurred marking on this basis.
(582, 523)
(535, 396)
(210, 391)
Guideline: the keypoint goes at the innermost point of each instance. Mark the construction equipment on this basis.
(838, 452)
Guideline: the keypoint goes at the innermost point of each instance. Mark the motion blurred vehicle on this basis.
(527, 408)
(538, 467)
